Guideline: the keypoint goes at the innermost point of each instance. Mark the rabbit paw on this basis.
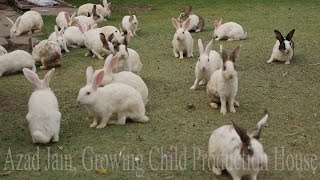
(223, 111)
(94, 124)
(214, 105)
(233, 110)
(100, 126)
(216, 171)
(287, 62)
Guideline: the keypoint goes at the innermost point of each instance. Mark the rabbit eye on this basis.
(88, 93)
(208, 60)
(183, 32)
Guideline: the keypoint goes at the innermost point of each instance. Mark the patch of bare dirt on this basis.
(121, 8)
(12, 46)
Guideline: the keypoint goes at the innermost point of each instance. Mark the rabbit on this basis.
(182, 41)
(129, 23)
(208, 62)
(125, 77)
(94, 18)
(102, 102)
(64, 20)
(46, 52)
(86, 9)
(59, 38)
(97, 44)
(74, 35)
(16, 61)
(283, 49)
(43, 116)
(223, 84)
(2, 50)
(228, 31)
(29, 21)
(196, 22)
(241, 154)
(131, 58)
(108, 30)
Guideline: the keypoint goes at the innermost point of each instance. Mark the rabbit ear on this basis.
(82, 28)
(257, 130)
(186, 24)
(47, 77)
(67, 17)
(89, 75)
(200, 45)
(290, 35)
(279, 35)
(131, 18)
(56, 30)
(62, 31)
(103, 38)
(105, 3)
(217, 23)
(110, 38)
(126, 39)
(224, 54)
(98, 79)
(18, 21)
(235, 54)
(32, 77)
(175, 23)
(30, 45)
(242, 134)
(94, 26)
(208, 47)
(188, 9)
(11, 22)
(110, 63)
(94, 9)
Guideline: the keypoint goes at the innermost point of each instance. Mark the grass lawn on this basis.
(289, 92)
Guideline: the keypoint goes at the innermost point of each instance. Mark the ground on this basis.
(180, 118)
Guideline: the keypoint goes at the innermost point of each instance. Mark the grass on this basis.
(290, 93)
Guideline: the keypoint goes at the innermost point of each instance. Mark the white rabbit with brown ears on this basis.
(196, 22)
(223, 84)
(283, 49)
(241, 154)
(182, 40)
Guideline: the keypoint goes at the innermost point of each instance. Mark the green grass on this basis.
(290, 93)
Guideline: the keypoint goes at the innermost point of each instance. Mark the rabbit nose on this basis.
(122, 56)
(203, 69)
(178, 38)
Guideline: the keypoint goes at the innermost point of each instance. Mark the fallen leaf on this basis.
(101, 171)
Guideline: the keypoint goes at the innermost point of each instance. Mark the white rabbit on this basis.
(129, 23)
(182, 41)
(64, 20)
(59, 38)
(2, 51)
(228, 31)
(86, 9)
(241, 154)
(108, 30)
(97, 44)
(125, 77)
(208, 62)
(29, 21)
(130, 57)
(43, 116)
(15, 61)
(46, 52)
(283, 49)
(117, 98)
(196, 22)
(94, 18)
(223, 84)
(74, 35)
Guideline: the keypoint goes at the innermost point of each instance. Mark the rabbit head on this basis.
(16, 29)
(286, 45)
(123, 47)
(228, 69)
(87, 93)
(133, 18)
(95, 16)
(34, 79)
(216, 25)
(204, 55)
(180, 31)
(184, 15)
(59, 36)
(107, 42)
(251, 150)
